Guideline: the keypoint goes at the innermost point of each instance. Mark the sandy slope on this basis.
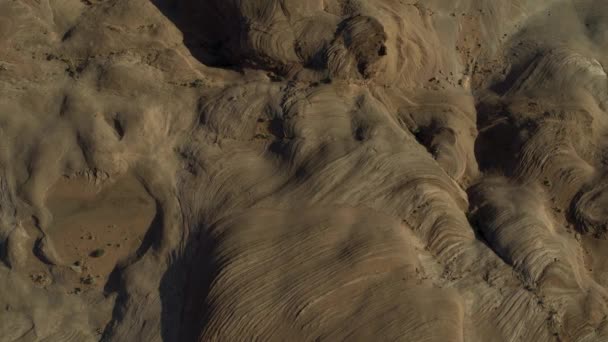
(319, 170)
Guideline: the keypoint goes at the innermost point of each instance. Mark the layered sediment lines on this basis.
(186, 170)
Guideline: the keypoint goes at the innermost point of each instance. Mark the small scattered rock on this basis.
(97, 253)
(40, 279)
(76, 269)
(88, 280)
(196, 83)
(87, 236)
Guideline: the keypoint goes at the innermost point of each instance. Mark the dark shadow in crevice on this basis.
(118, 128)
(153, 235)
(497, 143)
(517, 74)
(478, 215)
(571, 212)
(115, 283)
(424, 135)
(275, 127)
(202, 31)
(183, 288)
(188, 282)
(215, 34)
(479, 234)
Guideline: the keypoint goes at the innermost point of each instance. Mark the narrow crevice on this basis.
(497, 143)
(118, 128)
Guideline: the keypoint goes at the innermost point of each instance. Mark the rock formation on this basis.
(303, 170)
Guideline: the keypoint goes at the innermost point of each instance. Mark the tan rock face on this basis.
(188, 170)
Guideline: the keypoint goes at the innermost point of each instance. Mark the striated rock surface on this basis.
(319, 170)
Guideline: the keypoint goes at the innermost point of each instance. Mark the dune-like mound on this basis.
(303, 170)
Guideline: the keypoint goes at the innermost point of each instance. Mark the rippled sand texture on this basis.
(290, 170)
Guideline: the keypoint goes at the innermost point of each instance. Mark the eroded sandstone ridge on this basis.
(303, 170)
